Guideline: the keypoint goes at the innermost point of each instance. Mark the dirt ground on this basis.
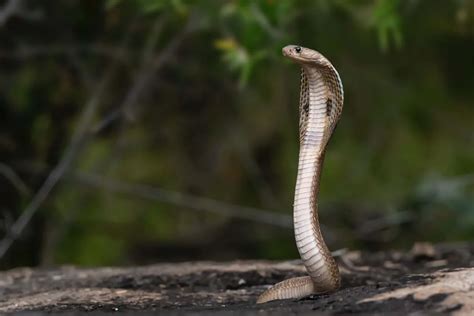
(426, 280)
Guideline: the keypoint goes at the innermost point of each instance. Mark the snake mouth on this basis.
(290, 50)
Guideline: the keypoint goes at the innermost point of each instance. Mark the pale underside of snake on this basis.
(321, 101)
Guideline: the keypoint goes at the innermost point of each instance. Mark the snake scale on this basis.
(321, 101)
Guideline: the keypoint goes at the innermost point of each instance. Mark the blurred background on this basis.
(142, 131)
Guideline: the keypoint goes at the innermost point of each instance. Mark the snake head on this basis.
(303, 55)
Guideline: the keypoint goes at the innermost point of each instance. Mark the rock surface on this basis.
(428, 279)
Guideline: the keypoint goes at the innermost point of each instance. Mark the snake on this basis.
(321, 102)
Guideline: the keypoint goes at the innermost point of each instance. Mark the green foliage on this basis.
(218, 118)
(387, 21)
(150, 7)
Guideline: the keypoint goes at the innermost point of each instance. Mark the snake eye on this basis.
(298, 49)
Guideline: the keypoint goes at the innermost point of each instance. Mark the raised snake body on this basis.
(321, 101)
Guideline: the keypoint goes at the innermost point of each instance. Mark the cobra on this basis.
(321, 102)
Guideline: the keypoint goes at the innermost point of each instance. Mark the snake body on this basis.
(321, 101)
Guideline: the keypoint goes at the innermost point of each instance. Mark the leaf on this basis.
(152, 6)
(111, 4)
(225, 44)
(387, 22)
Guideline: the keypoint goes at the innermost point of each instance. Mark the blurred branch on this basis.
(84, 126)
(190, 201)
(72, 150)
(146, 72)
(6, 219)
(150, 65)
(369, 227)
(110, 51)
(261, 185)
(55, 234)
(263, 21)
(59, 226)
(17, 8)
(14, 179)
(446, 188)
(56, 174)
(185, 200)
(82, 71)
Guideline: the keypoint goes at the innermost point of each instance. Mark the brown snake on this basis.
(321, 100)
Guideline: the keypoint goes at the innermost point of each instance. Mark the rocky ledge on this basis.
(428, 279)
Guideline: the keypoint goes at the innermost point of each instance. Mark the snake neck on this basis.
(314, 135)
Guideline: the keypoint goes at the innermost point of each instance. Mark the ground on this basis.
(428, 279)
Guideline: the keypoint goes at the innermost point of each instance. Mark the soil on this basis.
(429, 279)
